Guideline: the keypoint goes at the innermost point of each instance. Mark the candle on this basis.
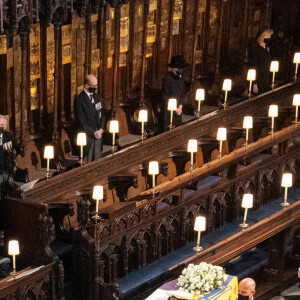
(296, 102)
(153, 170)
(142, 118)
(274, 68)
(199, 97)
(172, 105)
(48, 154)
(114, 128)
(251, 76)
(286, 182)
(221, 136)
(97, 196)
(192, 148)
(199, 226)
(13, 249)
(81, 141)
(247, 203)
(296, 61)
(226, 87)
(247, 124)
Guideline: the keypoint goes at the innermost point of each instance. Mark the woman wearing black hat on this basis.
(173, 86)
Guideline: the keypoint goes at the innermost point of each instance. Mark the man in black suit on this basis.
(6, 156)
(90, 118)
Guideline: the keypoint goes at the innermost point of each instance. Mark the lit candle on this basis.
(247, 124)
(13, 249)
(81, 141)
(286, 182)
(200, 96)
(143, 117)
(251, 76)
(48, 154)
(97, 195)
(114, 128)
(172, 106)
(199, 226)
(247, 203)
(296, 61)
(296, 102)
(226, 87)
(192, 148)
(273, 113)
(153, 170)
(274, 68)
(221, 136)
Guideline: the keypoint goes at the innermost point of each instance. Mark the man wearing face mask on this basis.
(247, 289)
(173, 86)
(6, 155)
(260, 60)
(90, 118)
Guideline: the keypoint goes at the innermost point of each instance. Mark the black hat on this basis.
(179, 62)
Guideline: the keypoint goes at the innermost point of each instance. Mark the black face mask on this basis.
(1, 129)
(243, 297)
(179, 73)
(92, 90)
(267, 42)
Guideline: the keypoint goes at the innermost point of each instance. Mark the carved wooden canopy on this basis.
(18, 16)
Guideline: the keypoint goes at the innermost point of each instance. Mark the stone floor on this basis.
(292, 293)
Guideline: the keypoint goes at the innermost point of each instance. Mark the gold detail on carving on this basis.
(10, 58)
(125, 10)
(124, 42)
(66, 54)
(94, 17)
(178, 7)
(122, 60)
(66, 34)
(175, 27)
(151, 33)
(153, 5)
(109, 62)
(95, 58)
(50, 68)
(202, 6)
(3, 44)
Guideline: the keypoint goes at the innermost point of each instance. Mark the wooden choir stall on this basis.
(140, 234)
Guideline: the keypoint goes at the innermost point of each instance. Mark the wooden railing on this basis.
(120, 245)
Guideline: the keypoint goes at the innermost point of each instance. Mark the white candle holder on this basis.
(200, 96)
(226, 87)
(48, 154)
(97, 196)
(199, 226)
(13, 249)
(273, 113)
(296, 61)
(172, 106)
(221, 136)
(114, 128)
(296, 102)
(143, 118)
(286, 182)
(274, 68)
(251, 76)
(153, 170)
(246, 203)
(247, 124)
(192, 148)
(81, 141)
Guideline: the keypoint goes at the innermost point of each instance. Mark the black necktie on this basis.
(92, 98)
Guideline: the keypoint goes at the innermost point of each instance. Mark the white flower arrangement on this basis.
(201, 279)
